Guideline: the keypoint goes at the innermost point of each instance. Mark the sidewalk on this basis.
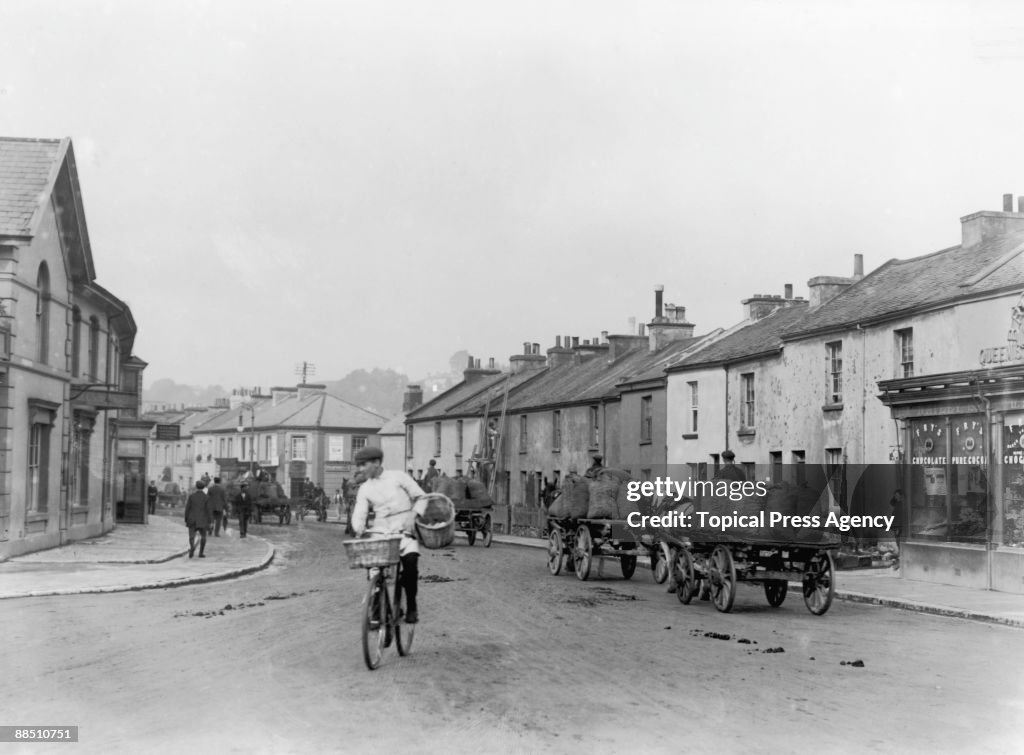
(884, 587)
(132, 557)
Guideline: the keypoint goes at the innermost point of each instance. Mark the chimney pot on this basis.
(604, 336)
(536, 349)
(558, 342)
(641, 329)
(490, 363)
(575, 341)
(1007, 202)
(858, 264)
(789, 290)
(586, 341)
(470, 365)
(1020, 204)
(658, 294)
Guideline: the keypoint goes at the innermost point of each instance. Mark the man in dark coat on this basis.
(151, 494)
(198, 518)
(243, 507)
(218, 505)
(729, 470)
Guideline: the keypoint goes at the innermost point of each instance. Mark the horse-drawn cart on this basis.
(475, 522)
(575, 543)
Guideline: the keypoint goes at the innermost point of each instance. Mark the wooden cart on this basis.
(575, 543)
(474, 522)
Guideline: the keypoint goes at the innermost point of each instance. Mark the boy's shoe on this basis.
(411, 617)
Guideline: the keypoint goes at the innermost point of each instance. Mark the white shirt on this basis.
(391, 497)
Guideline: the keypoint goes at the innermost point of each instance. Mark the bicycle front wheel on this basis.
(375, 624)
(403, 632)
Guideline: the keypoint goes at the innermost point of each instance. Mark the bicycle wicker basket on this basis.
(378, 551)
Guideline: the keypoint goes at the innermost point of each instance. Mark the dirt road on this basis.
(506, 659)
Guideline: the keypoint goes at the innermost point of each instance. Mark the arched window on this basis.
(94, 348)
(76, 341)
(43, 312)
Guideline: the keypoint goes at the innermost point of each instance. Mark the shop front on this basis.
(129, 490)
(963, 476)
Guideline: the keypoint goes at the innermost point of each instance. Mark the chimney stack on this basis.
(559, 355)
(981, 227)
(789, 290)
(412, 399)
(475, 371)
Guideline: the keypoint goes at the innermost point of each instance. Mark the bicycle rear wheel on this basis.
(404, 633)
(375, 624)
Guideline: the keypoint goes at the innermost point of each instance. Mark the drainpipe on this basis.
(726, 368)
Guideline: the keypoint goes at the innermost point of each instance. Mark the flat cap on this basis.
(729, 455)
(369, 453)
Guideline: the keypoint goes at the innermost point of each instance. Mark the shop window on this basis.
(905, 352)
(1013, 482)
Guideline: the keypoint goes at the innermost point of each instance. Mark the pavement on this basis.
(155, 555)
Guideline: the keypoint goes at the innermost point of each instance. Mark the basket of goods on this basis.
(436, 525)
(370, 552)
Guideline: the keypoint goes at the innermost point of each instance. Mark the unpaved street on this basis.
(507, 658)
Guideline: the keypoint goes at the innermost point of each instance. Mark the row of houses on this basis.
(910, 377)
(289, 433)
(72, 444)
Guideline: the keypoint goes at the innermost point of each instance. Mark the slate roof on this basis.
(592, 380)
(758, 337)
(921, 282)
(654, 367)
(27, 170)
(394, 426)
(440, 407)
(320, 409)
(495, 393)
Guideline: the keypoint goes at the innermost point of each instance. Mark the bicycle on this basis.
(383, 611)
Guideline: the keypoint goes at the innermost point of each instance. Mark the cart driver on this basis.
(395, 499)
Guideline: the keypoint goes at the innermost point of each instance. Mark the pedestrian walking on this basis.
(151, 493)
(243, 508)
(197, 518)
(430, 476)
(218, 504)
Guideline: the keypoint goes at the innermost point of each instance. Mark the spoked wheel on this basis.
(819, 583)
(662, 564)
(628, 564)
(775, 590)
(471, 536)
(722, 573)
(487, 532)
(404, 633)
(375, 622)
(582, 555)
(555, 555)
(686, 577)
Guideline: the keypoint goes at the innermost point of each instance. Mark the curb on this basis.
(265, 561)
(848, 596)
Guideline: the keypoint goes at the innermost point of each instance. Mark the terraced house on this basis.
(72, 446)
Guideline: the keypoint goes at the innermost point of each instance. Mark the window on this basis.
(408, 441)
(270, 448)
(835, 372)
(747, 397)
(776, 457)
(749, 470)
(905, 352)
(437, 439)
(114, 364)
(693, 406)
(358, 444)
(298, 447)
(834, 470)
(76, 341)
(556, 430)
(799, 461)
(94, 348)
(42, 415)
(458, 437)
(231, 448)
(522, 434)
(43, 312)
(222, 447)
(78, 493)
(646, 419)
(595, 427)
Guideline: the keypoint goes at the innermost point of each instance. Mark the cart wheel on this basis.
(819, 583)
(686, 579)
(628, 564)
(487, 531)
(471, 536)
(375, 616)
(662, 558)
(722, 572)
(582, 553)
(555, 555)
(775, 590)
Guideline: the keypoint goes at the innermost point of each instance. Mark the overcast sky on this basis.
(381, 184)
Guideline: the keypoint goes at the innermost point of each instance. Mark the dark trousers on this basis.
(218, 517)
(410, 579)
(192, 530)
(152, 505)
(243, 519)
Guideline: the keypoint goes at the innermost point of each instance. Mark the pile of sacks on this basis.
(465, 494)
(603, 496)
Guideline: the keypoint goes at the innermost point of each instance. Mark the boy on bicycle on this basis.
(395, 499)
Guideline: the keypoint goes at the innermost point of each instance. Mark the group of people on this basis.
(206, 512)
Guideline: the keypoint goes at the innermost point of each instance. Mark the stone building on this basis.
(72, 446)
